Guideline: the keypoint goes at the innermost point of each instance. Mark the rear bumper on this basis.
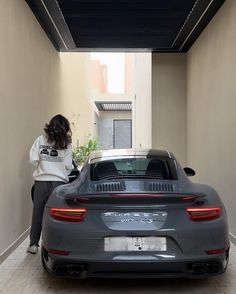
(72, 268)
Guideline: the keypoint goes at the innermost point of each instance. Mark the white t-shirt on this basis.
(51, 164)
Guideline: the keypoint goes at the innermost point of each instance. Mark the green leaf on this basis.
(80, 153)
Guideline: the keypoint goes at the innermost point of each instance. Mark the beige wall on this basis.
(211, 90)
(75, 94)
(36, 82)
(29, 83)
(142, 114)
(115, 114)
(169, 103)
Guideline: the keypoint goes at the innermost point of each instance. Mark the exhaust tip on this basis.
(199, 268)
(71, 270)
(213, 268)
(205, 268)
(76, 271)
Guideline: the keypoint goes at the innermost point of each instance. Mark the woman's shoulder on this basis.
(42, 139)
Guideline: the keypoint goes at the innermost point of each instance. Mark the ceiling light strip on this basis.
(45, 7)
(204, 12)
(190, 13)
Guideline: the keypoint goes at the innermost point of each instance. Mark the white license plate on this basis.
(135, 244)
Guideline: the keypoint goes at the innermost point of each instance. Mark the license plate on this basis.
(135, 244)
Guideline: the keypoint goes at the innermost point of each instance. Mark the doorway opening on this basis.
(112, 77)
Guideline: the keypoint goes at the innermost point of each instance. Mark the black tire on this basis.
(43, 262)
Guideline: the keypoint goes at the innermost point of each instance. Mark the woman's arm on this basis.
(68, 159)
(34, 153)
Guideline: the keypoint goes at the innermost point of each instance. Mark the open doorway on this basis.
(112, 76)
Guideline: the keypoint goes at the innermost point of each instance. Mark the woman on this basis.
(51, 153)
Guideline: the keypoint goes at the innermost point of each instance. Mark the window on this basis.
(135, 167)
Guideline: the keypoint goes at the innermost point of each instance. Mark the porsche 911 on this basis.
(134, 213)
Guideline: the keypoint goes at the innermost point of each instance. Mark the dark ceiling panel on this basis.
(158, 22)
(155, 25)
(69, 5)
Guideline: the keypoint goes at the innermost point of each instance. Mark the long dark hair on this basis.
(58, 132)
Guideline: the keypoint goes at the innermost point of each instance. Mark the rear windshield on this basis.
(162, 169)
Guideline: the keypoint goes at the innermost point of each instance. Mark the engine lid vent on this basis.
(109, 187)
(160, 187)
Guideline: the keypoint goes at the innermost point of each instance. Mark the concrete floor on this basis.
(22, 273)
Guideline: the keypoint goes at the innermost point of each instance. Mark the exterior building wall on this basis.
(129, 74)
(169, 103)
(142, 103)
(105, 126)
(98, 76)
(75, 95)
(100, 92)
(211, 107)
(99, 80)
(29, 96)
(137, 89)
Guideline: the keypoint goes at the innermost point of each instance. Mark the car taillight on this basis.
(68, 214)
(204, 213)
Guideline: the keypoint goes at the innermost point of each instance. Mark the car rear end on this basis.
(134, 231)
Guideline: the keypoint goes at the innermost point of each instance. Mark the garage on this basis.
(184, 52)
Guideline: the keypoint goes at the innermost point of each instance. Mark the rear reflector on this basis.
(68, 214)
(217, 251)
(57, 252)
(204, 214)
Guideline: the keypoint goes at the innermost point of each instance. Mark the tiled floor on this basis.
(22, 273)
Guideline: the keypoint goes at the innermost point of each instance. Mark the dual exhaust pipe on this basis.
(81, 270)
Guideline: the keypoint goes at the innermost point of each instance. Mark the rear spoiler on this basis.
(136, 198)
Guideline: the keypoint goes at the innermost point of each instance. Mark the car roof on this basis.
(105, 154)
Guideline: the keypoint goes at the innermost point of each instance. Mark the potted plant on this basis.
(80, 153)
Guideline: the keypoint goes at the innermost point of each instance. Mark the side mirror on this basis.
(189, 171)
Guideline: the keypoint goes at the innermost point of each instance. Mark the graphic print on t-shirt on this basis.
(49, 153)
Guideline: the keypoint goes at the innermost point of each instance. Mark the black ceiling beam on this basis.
(202, 13)
(49, 15)
(201, 25)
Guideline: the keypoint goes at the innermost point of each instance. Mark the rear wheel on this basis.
(43, 261)
(226, 260)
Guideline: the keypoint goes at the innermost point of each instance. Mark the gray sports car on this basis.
(134, 213)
